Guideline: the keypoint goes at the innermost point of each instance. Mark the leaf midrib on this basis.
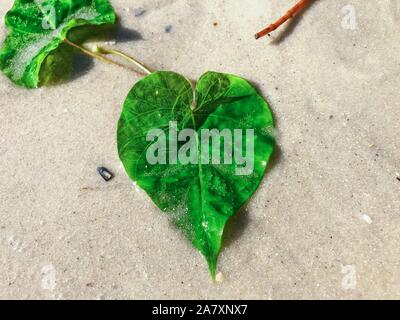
(194, 100)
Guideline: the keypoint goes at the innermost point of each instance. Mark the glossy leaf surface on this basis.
(199, 197)
(38, 27)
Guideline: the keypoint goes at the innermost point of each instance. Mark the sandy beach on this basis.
(325, 222)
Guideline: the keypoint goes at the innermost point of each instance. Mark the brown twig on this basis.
(291, 12)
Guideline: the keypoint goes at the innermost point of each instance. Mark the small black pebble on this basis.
(105, 173)
(398, 178)
(168, 29)
(331, 116)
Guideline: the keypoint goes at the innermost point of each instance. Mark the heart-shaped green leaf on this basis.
(37, 27)
(161, 144)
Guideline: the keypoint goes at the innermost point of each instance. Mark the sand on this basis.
(325, 223)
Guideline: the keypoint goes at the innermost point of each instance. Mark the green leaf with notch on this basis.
(38, 27)
(199, 196)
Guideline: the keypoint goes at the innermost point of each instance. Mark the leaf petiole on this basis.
(125, 56)
(100, 57)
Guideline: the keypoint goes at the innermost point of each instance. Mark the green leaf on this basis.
(38, 27)
(199, 197)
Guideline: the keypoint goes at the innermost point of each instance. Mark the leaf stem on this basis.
(125, 56)
(100, 57)
(289, 14)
